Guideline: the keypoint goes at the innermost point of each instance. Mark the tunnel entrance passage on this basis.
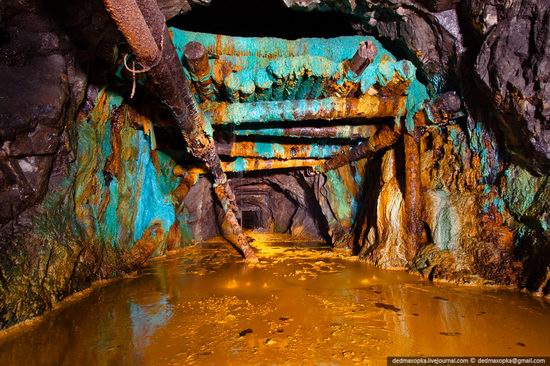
(254, 202)
(311, 104)
(251, 219)
(279, 203)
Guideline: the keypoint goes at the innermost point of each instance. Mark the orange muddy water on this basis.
(298, 306)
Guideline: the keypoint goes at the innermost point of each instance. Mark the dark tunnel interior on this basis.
(262, 18)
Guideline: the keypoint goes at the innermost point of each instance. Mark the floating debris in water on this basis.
(387, 307)
(244, 332)
(450, 334)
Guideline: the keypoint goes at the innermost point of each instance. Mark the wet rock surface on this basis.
(34, 77)
(512, 66)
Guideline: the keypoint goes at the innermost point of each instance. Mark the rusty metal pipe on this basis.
(384, 138)
(363, 57)
(132, 24)
(412, 197)
(251, 164)
(334, 108)
(331, 132)
(271, 150)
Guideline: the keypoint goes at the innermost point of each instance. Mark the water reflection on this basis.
(299, 306)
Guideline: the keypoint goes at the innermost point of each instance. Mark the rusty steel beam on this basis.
(272, 150)
(144, 28)
(250, 164)
(412, 197)
(334, 108)
(348, 132)
(384, 138)
(199, 69)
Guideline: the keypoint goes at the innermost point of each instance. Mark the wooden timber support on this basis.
(326, 109)
(197, 61)
(144, 27)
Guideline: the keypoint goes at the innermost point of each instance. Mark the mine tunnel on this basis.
(298, 182)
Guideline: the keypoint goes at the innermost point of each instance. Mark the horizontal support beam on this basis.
(331, 132)
(270, 150)
(336, 49)
(334, 108)
(250, 164)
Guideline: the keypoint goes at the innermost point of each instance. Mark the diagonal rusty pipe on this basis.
(144, 28)
(385, 137)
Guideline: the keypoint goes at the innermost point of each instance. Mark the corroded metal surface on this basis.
(327, 109)
(363, 57)
(384, 138)
(336, 132)
(412, 197)
(131, 23)
(271, 150)
(251, 164)
(197, 60)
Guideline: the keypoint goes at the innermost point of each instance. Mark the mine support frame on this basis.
(144, 28)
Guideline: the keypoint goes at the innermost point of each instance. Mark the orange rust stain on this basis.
(112, 165)
(101, 111)
(221, 70)
(346, 173)
(174, 236)
(412, 196)
(103, 205)
(155, 159)
(218, 47)
(144, 247)
(420, 119)
(189, 177)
